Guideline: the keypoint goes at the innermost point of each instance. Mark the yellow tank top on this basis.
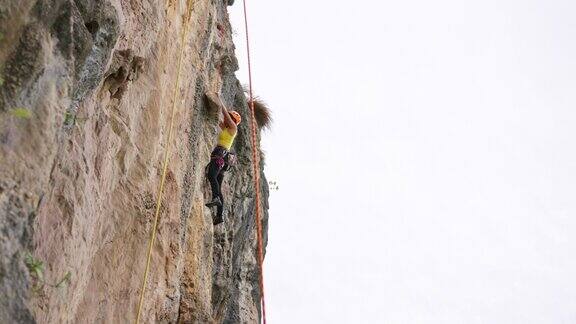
(225, 139)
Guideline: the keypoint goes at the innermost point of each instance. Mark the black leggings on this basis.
(216, 174)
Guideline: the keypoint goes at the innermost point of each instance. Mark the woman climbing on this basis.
(218, 157)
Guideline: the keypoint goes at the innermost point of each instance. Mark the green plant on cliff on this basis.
(21, 113)
(64, 281)
(36, 271)
(68, 118)
(35, 266)
(273, 185)
(1, 67)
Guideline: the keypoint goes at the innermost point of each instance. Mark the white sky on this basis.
(425, 156)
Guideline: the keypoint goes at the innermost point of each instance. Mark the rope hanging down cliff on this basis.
(165, 163)
(256, 167)
(256, 164)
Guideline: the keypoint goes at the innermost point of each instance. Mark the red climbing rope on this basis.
(256, 160)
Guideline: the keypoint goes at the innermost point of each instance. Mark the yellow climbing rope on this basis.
(165, 163)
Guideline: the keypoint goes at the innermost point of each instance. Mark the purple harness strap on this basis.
(219, 161)
(218, 154)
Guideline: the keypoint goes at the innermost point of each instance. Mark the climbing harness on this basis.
(165, 163)
(256, 165)
(219, 156)
(230, 161)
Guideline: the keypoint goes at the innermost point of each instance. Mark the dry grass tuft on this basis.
(262, 113)
(261, 110)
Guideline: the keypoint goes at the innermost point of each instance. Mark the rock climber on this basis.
(219, 158)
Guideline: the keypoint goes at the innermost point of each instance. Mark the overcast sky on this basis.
(425, 157)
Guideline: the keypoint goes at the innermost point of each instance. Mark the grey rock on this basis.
(78, 178)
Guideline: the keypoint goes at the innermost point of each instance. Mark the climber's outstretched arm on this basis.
(228, 122)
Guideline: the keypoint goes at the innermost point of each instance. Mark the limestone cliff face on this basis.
(85, 98)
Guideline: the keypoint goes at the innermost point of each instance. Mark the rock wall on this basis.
(85, 95)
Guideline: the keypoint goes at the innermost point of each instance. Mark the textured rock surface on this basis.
(79, 175)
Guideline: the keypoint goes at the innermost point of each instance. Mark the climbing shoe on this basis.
(215, 202)
(217, 220)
